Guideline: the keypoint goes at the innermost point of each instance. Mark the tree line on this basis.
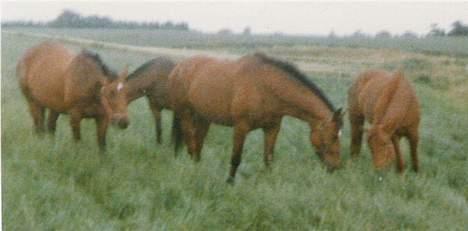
(71, 19)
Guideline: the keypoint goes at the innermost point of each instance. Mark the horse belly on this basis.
(48, 92)
(212, 102)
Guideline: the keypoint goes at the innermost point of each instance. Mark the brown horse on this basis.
(52, 77)
(390, 104)
(150, 80)
(255, 91)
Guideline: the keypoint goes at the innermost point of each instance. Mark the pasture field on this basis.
(52, 183)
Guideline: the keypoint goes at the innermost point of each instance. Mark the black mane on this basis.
(293, 72)
(110, 74)
(141, 69)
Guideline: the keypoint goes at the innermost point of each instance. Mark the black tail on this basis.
(177, 134)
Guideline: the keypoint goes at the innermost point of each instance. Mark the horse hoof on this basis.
(230, 180)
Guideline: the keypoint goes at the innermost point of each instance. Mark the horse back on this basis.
(385, 99)
(41, 73)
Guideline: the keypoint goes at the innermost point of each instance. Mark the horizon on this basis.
(262, 17)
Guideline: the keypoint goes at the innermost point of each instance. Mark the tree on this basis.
(436, 31)
(458, 29)
(409, 35)
(383, 35)
(246, 31)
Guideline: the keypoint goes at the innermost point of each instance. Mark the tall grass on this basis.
(54, 183)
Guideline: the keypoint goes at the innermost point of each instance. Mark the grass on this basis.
(54, 183)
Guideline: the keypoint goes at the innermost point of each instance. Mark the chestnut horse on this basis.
(52, 77)
(150, 80)
(255, 91)
(390, 104)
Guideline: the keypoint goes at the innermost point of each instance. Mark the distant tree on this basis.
(225, 31)
(459, 29)
(383, 35)
(358, 34)
(67, 18)
(332, 34)
(409, 35)
(436, 31)
(72, 19)
(246, 31)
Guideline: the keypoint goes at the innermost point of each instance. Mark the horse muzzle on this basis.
(120, 120)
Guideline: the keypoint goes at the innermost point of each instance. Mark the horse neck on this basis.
(302, 103)
(139, 85)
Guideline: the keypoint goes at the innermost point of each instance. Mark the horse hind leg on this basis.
(413, 137)
(37, 113)
(156, 110)
(202, 127)
(357, 124)
(240, 132)
(399, 158)
(52, 121)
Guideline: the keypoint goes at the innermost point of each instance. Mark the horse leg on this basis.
(270, 135)
(240, 132)
(202, 127)
(75, 119)
(413, 137)
(102, 124)
(399, 157)
(156, 110)
(357, 123)
(37, 112)
(52, 121)
(189, 131)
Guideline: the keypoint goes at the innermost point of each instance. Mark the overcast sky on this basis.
(262, 17)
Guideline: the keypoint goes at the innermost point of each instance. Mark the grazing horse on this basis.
(390, 104)
(52, 77)
(150, 80)
(255, 91)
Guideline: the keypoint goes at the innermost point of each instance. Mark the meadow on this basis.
(52, 183)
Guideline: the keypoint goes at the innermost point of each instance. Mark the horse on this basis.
(254, 91)
(150, 80)
(389, 103)
(53, 77)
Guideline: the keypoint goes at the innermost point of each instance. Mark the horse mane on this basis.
(293, 72)
(110, 74)
(141, 69)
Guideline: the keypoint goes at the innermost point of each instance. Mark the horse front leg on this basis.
(240, 132)
(413, 137)
(102, 123)
(75, 119)
(399, 158)
(270, 135)
(52, 121)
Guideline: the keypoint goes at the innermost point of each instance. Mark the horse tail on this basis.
(21, 75)
(177, 135)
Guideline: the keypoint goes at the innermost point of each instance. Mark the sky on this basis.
(317, 18)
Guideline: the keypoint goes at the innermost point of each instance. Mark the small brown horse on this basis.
(150, 80)
(390, 104)
(52, 77)
(255, 91)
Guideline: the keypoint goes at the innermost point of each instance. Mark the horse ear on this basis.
(124, 74)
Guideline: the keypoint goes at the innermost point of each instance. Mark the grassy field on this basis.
(51, 183)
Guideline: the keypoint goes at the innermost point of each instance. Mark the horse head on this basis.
(113, 97)
(326, 140)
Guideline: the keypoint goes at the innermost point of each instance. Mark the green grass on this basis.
(54, 183)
